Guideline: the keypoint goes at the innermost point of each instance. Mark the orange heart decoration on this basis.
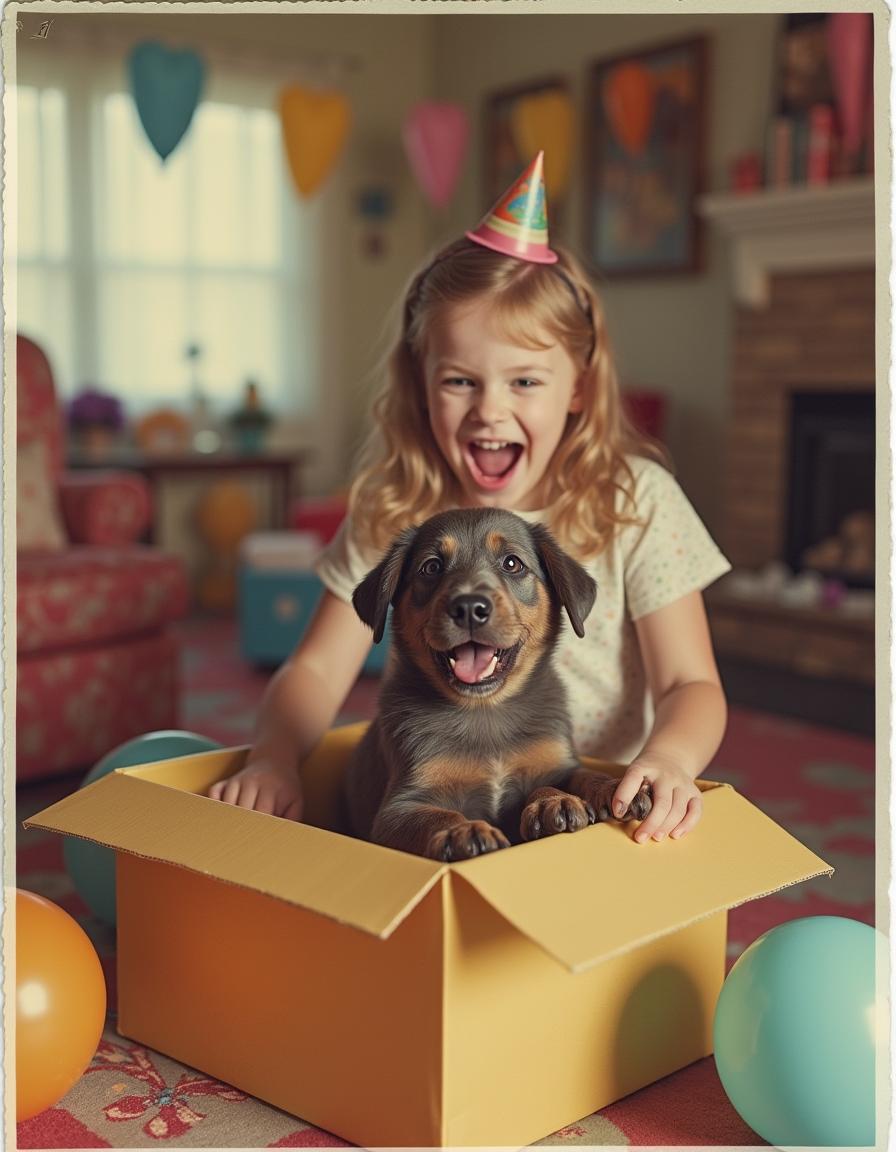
(315, 127)
(544, 122)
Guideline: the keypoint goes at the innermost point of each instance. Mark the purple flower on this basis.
(92, 408)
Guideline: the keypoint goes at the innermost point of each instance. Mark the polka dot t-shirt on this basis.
(647, 566)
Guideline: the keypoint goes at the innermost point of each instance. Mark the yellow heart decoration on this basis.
(545, 121)
(315, 127)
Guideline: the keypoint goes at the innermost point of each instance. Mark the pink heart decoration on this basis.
(435, 137)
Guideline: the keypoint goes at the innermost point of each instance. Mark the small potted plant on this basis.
(95, 419)
(250, 421)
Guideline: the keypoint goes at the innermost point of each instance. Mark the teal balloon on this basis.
(166, 86)
(796, 1033)
(90, 866)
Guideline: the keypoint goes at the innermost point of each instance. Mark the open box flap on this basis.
(588, 896)
(347, 880)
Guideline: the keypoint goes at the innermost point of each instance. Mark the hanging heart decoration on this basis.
(435, 135)
(315, 128)
(166, 85)
(544, 123)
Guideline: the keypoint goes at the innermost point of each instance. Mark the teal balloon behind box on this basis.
(91, 866)
(796, 1029)
(166, 86)
(275, 608)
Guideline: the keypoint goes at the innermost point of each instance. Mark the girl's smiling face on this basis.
(497, 410)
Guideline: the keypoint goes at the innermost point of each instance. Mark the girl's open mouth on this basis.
(492, 463)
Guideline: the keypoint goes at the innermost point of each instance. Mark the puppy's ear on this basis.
(574, 587)
(377, 590)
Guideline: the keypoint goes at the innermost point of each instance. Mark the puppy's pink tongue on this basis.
(472, 661)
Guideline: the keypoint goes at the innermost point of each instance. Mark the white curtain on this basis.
(123, 260)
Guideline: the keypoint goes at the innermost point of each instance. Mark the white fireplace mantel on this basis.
(795, 229)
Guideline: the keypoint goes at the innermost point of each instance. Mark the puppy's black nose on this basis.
(469, 611)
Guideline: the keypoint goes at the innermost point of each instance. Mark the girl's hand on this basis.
(263, 786)
(677, 803)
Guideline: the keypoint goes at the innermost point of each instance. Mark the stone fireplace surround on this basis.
(803, 281)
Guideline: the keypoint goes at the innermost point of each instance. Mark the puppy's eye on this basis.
(431, 567)
(513, 564)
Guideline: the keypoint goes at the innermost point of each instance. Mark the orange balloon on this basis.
(628, 101)
(60, 1003)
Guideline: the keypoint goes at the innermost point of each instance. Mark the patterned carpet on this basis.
(817, 783)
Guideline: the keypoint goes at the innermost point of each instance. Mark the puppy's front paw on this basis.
(464, 841)
(601, 791)
(551, 814)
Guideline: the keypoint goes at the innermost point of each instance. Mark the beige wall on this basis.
(672, 334)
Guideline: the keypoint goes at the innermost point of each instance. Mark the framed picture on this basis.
(503, 159)
(645, 153)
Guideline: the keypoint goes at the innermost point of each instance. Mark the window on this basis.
(123, 260)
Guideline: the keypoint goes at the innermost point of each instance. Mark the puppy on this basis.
(472, 747)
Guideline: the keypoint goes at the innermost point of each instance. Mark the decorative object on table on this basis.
(164, 431)
(315, 126)
(435, 135)
(797, 1031)
(250, 421)
(206, 437)
(166, 85)
(646, 117)
(95, 420)
(521, 121)
(60, 1003)
(225, 514)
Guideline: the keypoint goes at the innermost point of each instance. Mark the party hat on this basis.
(518, 223)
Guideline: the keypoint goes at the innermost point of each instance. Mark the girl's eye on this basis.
(526, 382)
(513, 564)
(431, 567)
(458, 382)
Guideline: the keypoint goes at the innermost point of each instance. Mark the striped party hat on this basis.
(518, 223)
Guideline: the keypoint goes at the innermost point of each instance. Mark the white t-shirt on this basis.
(646, 567)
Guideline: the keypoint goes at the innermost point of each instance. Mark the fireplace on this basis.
(830, 522)
(799, 469)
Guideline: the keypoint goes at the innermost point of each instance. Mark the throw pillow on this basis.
(38, 522)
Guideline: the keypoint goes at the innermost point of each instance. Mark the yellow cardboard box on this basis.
(397, 1001)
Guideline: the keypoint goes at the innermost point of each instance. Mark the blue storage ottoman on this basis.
(278, 594)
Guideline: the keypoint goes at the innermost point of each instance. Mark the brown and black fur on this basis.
(450, 770)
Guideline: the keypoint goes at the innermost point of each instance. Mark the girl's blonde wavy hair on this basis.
(402, 475)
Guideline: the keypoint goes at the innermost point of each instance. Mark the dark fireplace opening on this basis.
(830, 525)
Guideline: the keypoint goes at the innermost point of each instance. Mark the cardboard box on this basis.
(397, 1001)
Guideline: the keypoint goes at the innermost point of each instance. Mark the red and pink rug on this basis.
(817, 783)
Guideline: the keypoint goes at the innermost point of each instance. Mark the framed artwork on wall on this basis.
(519, 122)
(645, 157)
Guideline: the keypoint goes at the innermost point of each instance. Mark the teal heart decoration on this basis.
(166, 86)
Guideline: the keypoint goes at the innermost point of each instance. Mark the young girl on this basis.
(501, 392)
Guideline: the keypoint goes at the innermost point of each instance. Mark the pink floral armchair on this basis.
(97, 658)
